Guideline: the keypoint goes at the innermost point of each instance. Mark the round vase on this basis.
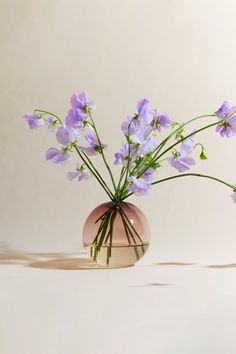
(116, 234)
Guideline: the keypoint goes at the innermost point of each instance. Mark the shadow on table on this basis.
(173, 264)
(77, 261)
(63, 261)
(221, 266)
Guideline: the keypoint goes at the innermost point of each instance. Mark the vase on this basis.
(116, 235)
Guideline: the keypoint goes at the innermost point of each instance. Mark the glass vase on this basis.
(116, 234)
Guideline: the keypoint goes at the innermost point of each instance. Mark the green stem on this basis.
(195, 175)
(190, 174)
(157, 157)
(163, 143)
(188, 136)
(49, 113)
(102, 153)
(94, 172)
(119, 182)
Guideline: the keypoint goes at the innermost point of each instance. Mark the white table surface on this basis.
(50, 304)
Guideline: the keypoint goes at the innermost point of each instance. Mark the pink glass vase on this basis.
(116, 234)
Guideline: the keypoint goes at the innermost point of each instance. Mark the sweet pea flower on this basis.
(121, 157)
(81, 108)
(147, 146)
(149, 174)
(144, 111)
(34, 120)
(94, 146)
(227, 128)
(225, 110)
(130, 126)
(82, 102)
(187, 144)
(66, 135)
(76, 118)
(146, 142)
(52, 123)
(80, 174)
(182, 161)
(57, 156)
(161, 120)
(138, 187)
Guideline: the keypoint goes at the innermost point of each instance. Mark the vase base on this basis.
(121, 256)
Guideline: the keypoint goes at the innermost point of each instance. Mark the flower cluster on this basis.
(67, 134)
(142, 151)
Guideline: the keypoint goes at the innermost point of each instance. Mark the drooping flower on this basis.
(181, 161)
(225, 110)
(94, 146)
(149, 174)
(144, 111)
(57, 156)
(227, 128)
(80, 174)
(138, 187)
(130, 126)
(66, 135)
(35, 121)
(161, 120)
(121, 157)
(233, 196)
(187, 144)
(81, 108)
(52, 123)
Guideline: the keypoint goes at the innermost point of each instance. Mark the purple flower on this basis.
(34, 120)
(57, 156)
(225, 110)
(66, 135)
(138, 187)
(182, 162)
(82, 102)
(130, 126)
(147, 146)
(52, 123)
(188, 145)
(81, 108)
(149, 174)
(94, 146)
(121, 157)
(161, 120)
(233, 196)
(146, 143)
(81, 173)
(145, 112)
(227, 128)
(76, 118)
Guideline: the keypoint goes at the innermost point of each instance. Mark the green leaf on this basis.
(156, 165)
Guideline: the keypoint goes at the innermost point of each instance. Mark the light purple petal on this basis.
(72, 175)
(145, 111)
(188, 144)
(138, 187)
(33, 120)
(149, 174)
(66, 135)
(56, 156)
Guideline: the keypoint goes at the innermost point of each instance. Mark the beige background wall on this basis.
(179, 54)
